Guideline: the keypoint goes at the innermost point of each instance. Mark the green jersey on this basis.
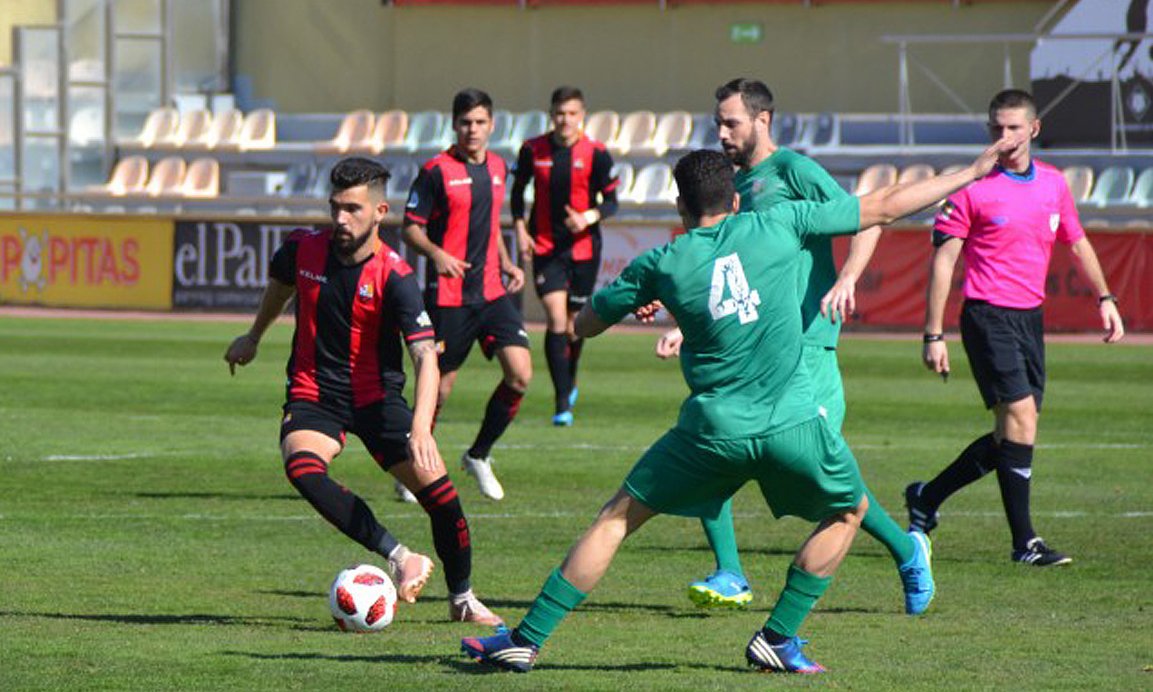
(787, 176)
(733, 290)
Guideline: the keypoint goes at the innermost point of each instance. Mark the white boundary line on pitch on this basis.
(1066, 514)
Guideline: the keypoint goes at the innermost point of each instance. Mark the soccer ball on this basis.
(362, 599)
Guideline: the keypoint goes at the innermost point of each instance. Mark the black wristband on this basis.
(930, 338)
(1108, 296)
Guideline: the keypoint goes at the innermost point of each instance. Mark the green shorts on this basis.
(805, 471)
(828, 389)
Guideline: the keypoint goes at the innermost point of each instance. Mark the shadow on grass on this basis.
(215, 496)
(293, 594)
(341, 658)
(153, 619)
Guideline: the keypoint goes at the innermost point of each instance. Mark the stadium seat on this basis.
(401, 179)
(167, 177)
(202, 180)
(223, 130)
(637, 129)
(651, 184)
(786, 129)
(259, 130)
(826, 131)
(502, 122)
(1142, 193)
(129, 177)
(320, 182)
(624, 172)
(1112, 187)
(704, 134)
(915, 172)
(1080, 179)
(354, 132)
(391, 127)
(875, 177)
(526, 125)
(423, 127)
(672, 132)
(298, 180)
(953, 168)
(193, 126)
(159, 126)
(602, 126)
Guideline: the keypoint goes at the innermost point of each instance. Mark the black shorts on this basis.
(1006, 349)
(494, 325)
(383, 427)
(560, 272)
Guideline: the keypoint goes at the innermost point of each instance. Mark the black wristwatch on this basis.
(1108, 296)
(930, 338)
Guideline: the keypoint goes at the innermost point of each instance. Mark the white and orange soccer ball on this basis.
(362, 599)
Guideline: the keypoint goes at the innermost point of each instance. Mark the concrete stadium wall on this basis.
(319, 56)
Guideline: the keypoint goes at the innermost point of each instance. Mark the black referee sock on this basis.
(309, 475)
(556, 349)
(972, 464)
(1014, 472)
(501, 409)
(450, 532)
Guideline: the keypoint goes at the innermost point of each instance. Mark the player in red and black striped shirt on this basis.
(453, 219)
(574, 190)
(356, 301)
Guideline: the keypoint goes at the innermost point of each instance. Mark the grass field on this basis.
(149, 540)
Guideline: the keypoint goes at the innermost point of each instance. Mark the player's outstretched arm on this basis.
(886, 205)
(587, 323)
(243, 348)
(1090, 268)
(841, 300)
(421, 444)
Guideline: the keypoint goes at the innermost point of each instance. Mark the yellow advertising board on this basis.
(85, 261)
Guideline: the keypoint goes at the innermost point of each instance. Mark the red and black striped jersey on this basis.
(459, 203)
(347, 350)
(573, 175)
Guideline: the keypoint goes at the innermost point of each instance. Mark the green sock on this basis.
(800, 594)
(878, 524)
(556, 600)
(723, 539)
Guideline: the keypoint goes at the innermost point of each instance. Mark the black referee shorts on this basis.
(1006, 349)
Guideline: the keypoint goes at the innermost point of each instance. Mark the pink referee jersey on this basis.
(1008, 223)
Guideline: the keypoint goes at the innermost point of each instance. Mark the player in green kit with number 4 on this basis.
(768, 175)
(731, 283)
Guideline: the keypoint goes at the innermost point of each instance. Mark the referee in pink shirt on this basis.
(1005, 225)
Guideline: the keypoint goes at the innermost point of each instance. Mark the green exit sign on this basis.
(746, 32)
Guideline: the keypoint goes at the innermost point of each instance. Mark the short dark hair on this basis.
(357, 171)
(754, 93)
(467, 99)
(1012, 98)
(566, 93)
(705, 182)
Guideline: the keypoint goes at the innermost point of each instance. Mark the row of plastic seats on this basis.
(170, 176)
(231, 130)
(1117, 186)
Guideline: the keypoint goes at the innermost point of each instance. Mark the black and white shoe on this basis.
(922, 517)
(1038, 554)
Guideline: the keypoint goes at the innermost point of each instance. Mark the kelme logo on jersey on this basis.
(364, 292)
(314, 276)
(413, 200)
(497, 181)
(423, 320)
(946, 211)
(1054, 222)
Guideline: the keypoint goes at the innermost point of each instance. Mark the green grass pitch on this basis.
(149, 540)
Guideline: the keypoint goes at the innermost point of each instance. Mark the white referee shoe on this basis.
(481, 470)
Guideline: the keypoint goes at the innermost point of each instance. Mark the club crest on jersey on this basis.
(1054, 222)
(364, 292)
